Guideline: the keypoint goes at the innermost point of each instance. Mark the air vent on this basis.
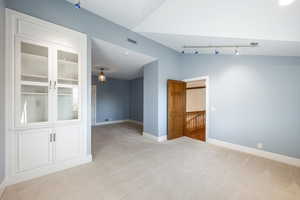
(131, 41)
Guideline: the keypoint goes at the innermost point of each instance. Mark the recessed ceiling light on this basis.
(285, 2)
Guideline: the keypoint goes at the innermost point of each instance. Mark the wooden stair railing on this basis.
(195, 121)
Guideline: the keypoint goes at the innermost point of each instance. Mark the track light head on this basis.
(254, 43)
(217, 52)
(196, 52)
(182, 52)
(236, 52)
(77, 5)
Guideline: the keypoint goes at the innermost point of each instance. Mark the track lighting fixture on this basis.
(250, 45)
(216, 52)
(182, 52)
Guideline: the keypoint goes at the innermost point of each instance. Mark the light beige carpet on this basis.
(128, 166)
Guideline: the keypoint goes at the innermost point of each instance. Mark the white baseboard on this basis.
(135, 122)
(110, 122)
(2, 188)
(24, 176)
(118, 122)
(158, 139)
(265, 154)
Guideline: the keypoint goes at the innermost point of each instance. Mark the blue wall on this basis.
(113, 100)
(2, 139)
(257, 99)
(119, 100)
(151, 86)
(137, 99)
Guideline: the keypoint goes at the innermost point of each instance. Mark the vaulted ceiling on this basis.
(176, 23)
(118, 62)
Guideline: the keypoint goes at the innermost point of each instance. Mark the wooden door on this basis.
(176, 108)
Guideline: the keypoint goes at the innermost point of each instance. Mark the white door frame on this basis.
(207, 106)
(94, 89)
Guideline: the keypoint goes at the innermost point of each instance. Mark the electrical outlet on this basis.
(260, 145)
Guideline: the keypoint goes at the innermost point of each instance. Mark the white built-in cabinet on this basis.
(46, 95)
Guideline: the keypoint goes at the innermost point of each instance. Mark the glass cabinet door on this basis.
(33, 76)
(67, 86)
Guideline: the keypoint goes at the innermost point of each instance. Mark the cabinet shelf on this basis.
(67, 62)
(35, 76)
(34, 55)
(65, 94)
(67, 79)
(33, 83)
(33, 93)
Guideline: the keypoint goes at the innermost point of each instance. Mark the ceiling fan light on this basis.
(102, 77)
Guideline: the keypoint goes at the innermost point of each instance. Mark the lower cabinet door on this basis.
(34, 149)
(67, 143)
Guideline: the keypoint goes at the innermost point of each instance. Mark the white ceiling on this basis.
(126, 13)
(175, 23)
(120, 62)
(254, 19)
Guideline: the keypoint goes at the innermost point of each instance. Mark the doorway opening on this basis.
(117, 93)
(188, 108)
(195, 116)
